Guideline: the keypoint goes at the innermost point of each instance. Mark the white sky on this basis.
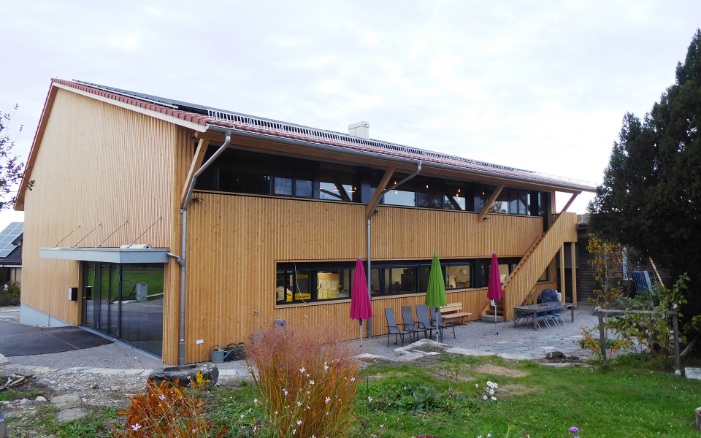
(540, 85)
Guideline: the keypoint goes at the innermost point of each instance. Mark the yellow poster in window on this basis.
(327, 285)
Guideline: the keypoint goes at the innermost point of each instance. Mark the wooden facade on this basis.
(118, 171)
(110, 171)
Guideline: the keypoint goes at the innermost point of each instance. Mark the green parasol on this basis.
(435, 294)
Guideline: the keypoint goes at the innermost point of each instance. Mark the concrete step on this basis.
(490, 318)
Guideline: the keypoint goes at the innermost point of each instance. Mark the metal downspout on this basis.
(372, 213)
(181, 260)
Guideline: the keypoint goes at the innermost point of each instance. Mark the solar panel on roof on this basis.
(8, 235)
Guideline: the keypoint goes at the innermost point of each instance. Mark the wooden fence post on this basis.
(677, 359)
(602, 335)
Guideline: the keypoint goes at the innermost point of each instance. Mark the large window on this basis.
(314, 282)
(512, 201)
(239, 171)
(404, 194)
(458, 276)
(125, 301)
(292, 177)
(429, 193)
(307, 282)
(337, 183)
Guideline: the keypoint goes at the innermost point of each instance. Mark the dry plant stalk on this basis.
(308, 380)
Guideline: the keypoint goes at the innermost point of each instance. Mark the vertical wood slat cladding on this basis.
(234, 242)
(97, 164)
(415, 233)
(183, 155)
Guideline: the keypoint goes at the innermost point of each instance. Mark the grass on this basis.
(538, 400)
(444, 399)
(17, 394)
(98, 423)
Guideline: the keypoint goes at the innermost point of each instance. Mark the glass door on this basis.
(91, 312)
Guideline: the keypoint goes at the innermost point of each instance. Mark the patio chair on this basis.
(521, 317)
(542, 317)
(424, 319)
(557, 316)
(437, 323)
(408, 323)
(392, 327)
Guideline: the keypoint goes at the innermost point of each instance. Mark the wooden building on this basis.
(177, 226)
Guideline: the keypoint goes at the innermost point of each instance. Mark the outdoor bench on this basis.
(452, 312)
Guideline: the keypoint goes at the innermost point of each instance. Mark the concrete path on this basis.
(480, 338)
(476, 338)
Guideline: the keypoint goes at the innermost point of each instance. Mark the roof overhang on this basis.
(107, 255)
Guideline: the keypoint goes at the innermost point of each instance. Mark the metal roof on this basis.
(274, 128)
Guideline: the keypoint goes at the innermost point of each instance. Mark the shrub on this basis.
(308, 381)
(10, 293)
(608, 271)
(168, 410)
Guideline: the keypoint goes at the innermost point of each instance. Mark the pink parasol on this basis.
(494, 292)
(360, 307)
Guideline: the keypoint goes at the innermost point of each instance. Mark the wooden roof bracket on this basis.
(382, 188)
(572, 198)
(372, 205)
(196, 164)
(490, 202)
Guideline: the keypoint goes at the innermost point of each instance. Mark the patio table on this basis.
(535, 309)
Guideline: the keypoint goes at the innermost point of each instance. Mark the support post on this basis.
(574, 274)
(677, 359)
(602, 336)
(563, 280)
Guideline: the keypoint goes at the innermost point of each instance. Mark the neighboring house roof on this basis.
(203, 118)
(11, 245)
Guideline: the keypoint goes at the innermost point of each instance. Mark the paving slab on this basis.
(25, 340)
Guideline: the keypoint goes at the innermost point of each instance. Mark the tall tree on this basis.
(651, 194)
(10, 165)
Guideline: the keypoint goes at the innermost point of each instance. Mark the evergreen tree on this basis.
(651, 194)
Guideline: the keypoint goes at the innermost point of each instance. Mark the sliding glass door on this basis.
(125, 301)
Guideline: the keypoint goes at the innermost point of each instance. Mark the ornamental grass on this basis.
(308, 381)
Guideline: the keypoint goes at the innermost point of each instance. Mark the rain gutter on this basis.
(550, 184)
(182, 258)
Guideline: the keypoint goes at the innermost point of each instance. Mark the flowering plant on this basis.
(489, 392)
(308, 381)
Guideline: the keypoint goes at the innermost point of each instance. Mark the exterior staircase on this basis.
(488, 313)
(520, 284)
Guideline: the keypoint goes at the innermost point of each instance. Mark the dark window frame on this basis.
(303, 180)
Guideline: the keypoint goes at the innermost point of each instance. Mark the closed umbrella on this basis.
(435, 293)
(360, 307)
(494, 292)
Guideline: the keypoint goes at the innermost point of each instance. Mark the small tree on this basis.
(10, 165)
(608, 270)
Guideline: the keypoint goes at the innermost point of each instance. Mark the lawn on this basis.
(444, 397)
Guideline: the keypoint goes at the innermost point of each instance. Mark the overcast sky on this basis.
(541, 85)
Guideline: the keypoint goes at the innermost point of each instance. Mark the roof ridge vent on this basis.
(359, 129)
